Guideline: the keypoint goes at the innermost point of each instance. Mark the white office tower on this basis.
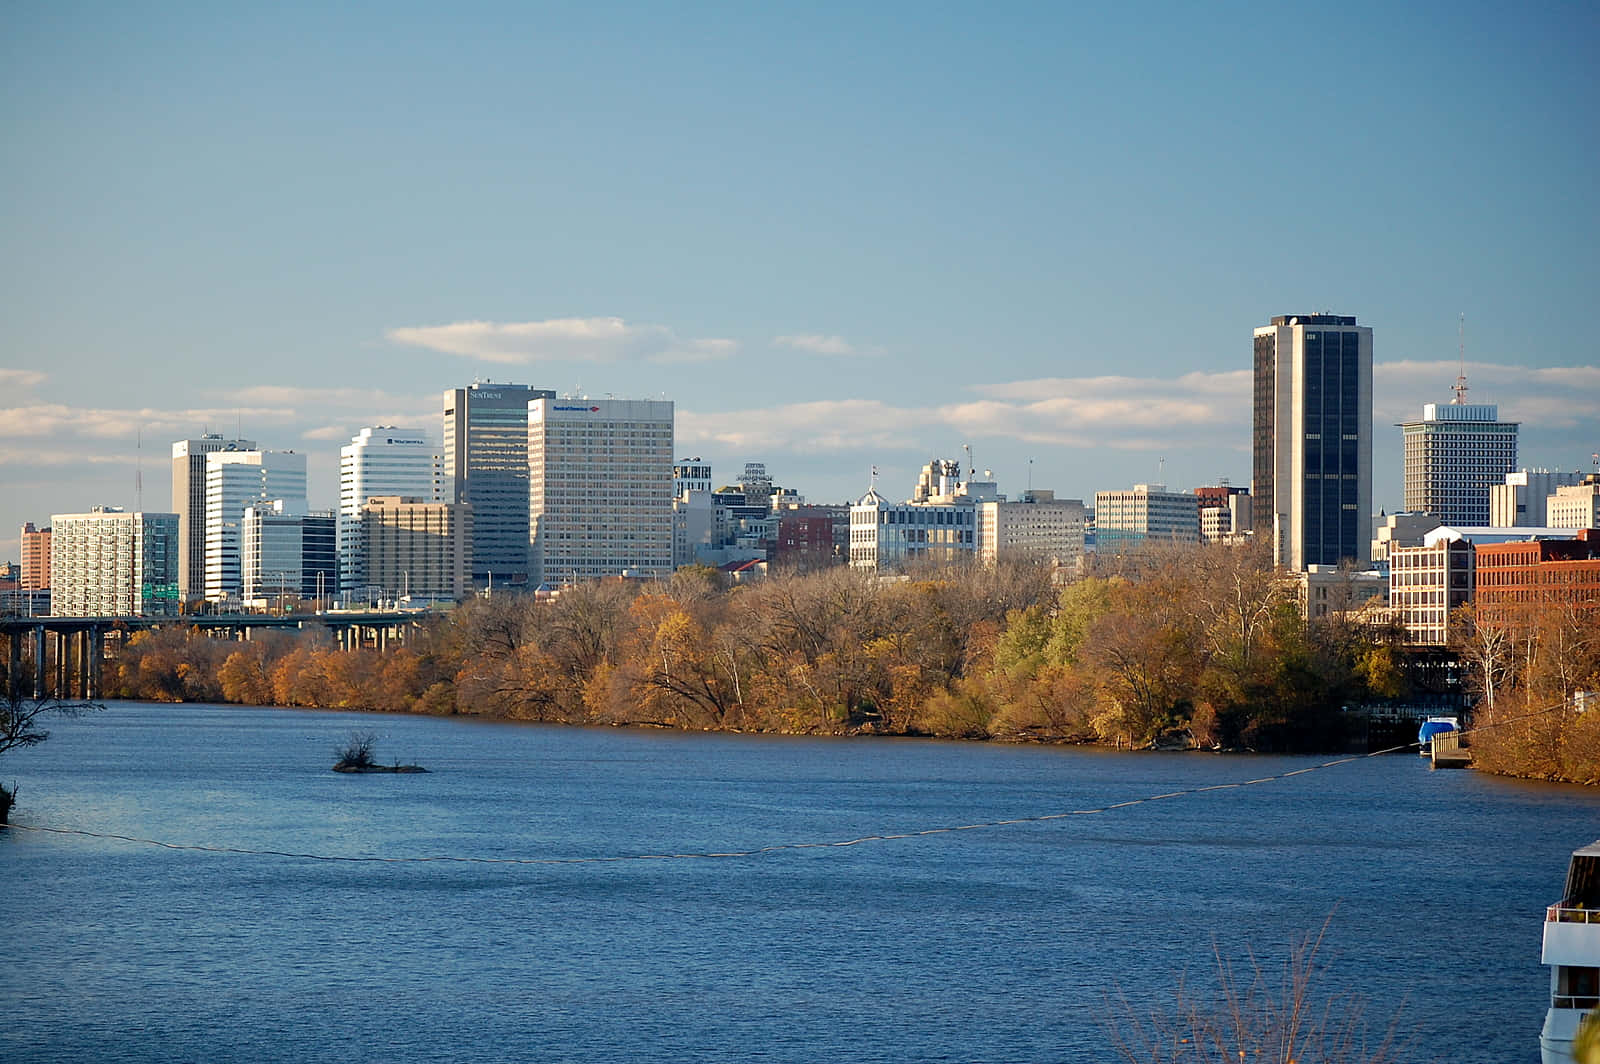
(1520, 501)
(234, 480)
(110, 563)
(1454, 455)
(599, 489)
(189, 503)
(1312, 439)
(382, 460)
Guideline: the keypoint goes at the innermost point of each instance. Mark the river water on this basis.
(994, 944)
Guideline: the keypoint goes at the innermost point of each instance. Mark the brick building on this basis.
(1546, 571)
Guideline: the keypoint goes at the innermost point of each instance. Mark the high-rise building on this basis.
(417, 548)
(1312, 440)
(382, 460)
(486, 466)
(1454, 455)
(1520, 501)
(189, 503)
(111, 563)
(1127, 519)
(35, 574)
(600, 488)
(284, 556)
(234, 480)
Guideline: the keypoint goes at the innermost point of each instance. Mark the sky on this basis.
(838, 237)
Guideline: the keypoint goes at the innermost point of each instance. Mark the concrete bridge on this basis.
(64, 654)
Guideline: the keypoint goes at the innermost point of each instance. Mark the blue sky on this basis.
(837, 238)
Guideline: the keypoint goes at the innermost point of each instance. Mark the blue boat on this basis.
(1431, 727)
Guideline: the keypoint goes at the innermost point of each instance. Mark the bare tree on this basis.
(21, 724)
(1262, 1016)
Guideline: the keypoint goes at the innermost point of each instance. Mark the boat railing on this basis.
(1562, 914)
(1578, 1001)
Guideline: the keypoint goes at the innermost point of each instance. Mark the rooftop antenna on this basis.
(873, 483)
(972, 470)
(138, 470)
(1030, 474)
(1161, 470)
(1461, 374)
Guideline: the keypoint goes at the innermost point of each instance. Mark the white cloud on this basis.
(327, 432)
(594, 340)
(818, 344)
(37, 420)
(33, 457)
(1552, 397)
(1196, 411)
(831, 424)
(345, 398)
(21, 380)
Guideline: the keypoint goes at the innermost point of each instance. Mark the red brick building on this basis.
(1564, 571)
(805, 541)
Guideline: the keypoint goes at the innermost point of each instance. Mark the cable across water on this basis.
(759, 851)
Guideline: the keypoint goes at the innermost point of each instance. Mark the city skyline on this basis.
(836, 240)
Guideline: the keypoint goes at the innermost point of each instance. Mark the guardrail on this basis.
(1582, 1002)
(1560, 914)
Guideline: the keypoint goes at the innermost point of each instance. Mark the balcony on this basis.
(1571, 936)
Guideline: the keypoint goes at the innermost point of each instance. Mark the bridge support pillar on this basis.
(97, 660)
(85, 665)
(39, 675)
(14, 668)
(63, 659)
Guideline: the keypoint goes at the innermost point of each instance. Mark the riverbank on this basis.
(1206, 646)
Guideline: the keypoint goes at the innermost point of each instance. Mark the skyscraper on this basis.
(234, 480)
(382, 460)
(110, 563)
(189, 503)
(1312, 442)
(1454, 455)
(36, 558)
(486, 466)
(600, 488)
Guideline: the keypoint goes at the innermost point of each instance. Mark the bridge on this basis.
(63, 654)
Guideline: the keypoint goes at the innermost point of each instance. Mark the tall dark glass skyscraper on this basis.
(486, 458)
(1312, 442)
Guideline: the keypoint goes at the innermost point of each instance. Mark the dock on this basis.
(1447, 752)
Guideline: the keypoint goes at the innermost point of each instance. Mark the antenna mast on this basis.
(138, 471)
(1461, 374)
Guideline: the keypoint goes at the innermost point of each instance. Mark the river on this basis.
(1000, 943)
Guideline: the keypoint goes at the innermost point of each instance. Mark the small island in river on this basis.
(356, 756)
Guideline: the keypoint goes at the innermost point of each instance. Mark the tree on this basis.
(1279, 1016)
(21, 724)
